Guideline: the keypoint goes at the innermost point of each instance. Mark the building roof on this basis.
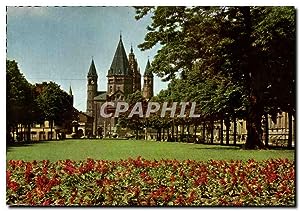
(119, 65)
(148, 72)
(101, 96)
(83, 117)
(92, 71)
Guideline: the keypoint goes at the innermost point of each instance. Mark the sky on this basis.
(58, 43)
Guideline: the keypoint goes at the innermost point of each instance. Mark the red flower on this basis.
(237, 203)
(234, 180)
(8, 174)
(172, 179)
(192, 197)
(14, 186)
(271, 177)
(104, 182)
(181, 173)
(223, 201)
(243, 176)
(143, 182)
(47, 202)
(201, 180)
(222, 181)
(179, 200)
(69, 167)
(28, 172)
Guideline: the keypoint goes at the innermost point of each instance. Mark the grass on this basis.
(123, 149)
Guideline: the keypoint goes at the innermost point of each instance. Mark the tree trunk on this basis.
(21, 133)
(159, 135)
(29, 132)
(172, 131)
(182, 133)
(13, 133)
(203, 131)
(255, 109)
(290, 135)
(195, 133)
(227, 124)
(163, 132)
(188, 132)
(177, 133)
(136, 134)
(234, 131)
(253, 125)
(266, 130)
(51, 129)
(16, 131)
(8, 132)
(211, 131)
(221, 131)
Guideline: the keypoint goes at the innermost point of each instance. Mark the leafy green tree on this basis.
(134, 123)
(20, 101)
(241, 45)
(56, 104)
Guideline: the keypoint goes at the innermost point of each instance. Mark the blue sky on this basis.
(57, 43)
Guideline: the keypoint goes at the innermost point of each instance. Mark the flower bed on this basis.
(140, 182)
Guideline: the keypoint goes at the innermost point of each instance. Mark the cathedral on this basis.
(123, 78)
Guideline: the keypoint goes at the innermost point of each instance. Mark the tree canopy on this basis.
(237, 60)
(26, 105)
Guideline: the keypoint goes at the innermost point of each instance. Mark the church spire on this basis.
(70, 91)
(148, 82)
(71, 95)
(148, 73)
(131, 50)
(92, 71)
(119, 65)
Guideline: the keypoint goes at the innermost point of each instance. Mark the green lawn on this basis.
(123, 149)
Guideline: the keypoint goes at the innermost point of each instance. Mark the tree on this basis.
(20, 98)
(56, 104)
(134, 123)
(237, 44)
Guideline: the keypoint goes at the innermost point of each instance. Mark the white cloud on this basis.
(27, 11)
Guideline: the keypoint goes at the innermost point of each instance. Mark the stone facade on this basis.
(148, 82)
(123, 78)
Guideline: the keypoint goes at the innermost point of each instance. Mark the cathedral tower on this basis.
(92, 86)
(120, 81)
(136, 75)
(148, 82)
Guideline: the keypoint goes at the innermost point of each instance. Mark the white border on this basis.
(104, 3)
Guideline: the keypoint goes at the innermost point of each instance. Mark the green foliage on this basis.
(55, 103)
(19, 95)
(26, 105)
(233, 60)
(134, 97)
(134, 123)
(275, 38)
